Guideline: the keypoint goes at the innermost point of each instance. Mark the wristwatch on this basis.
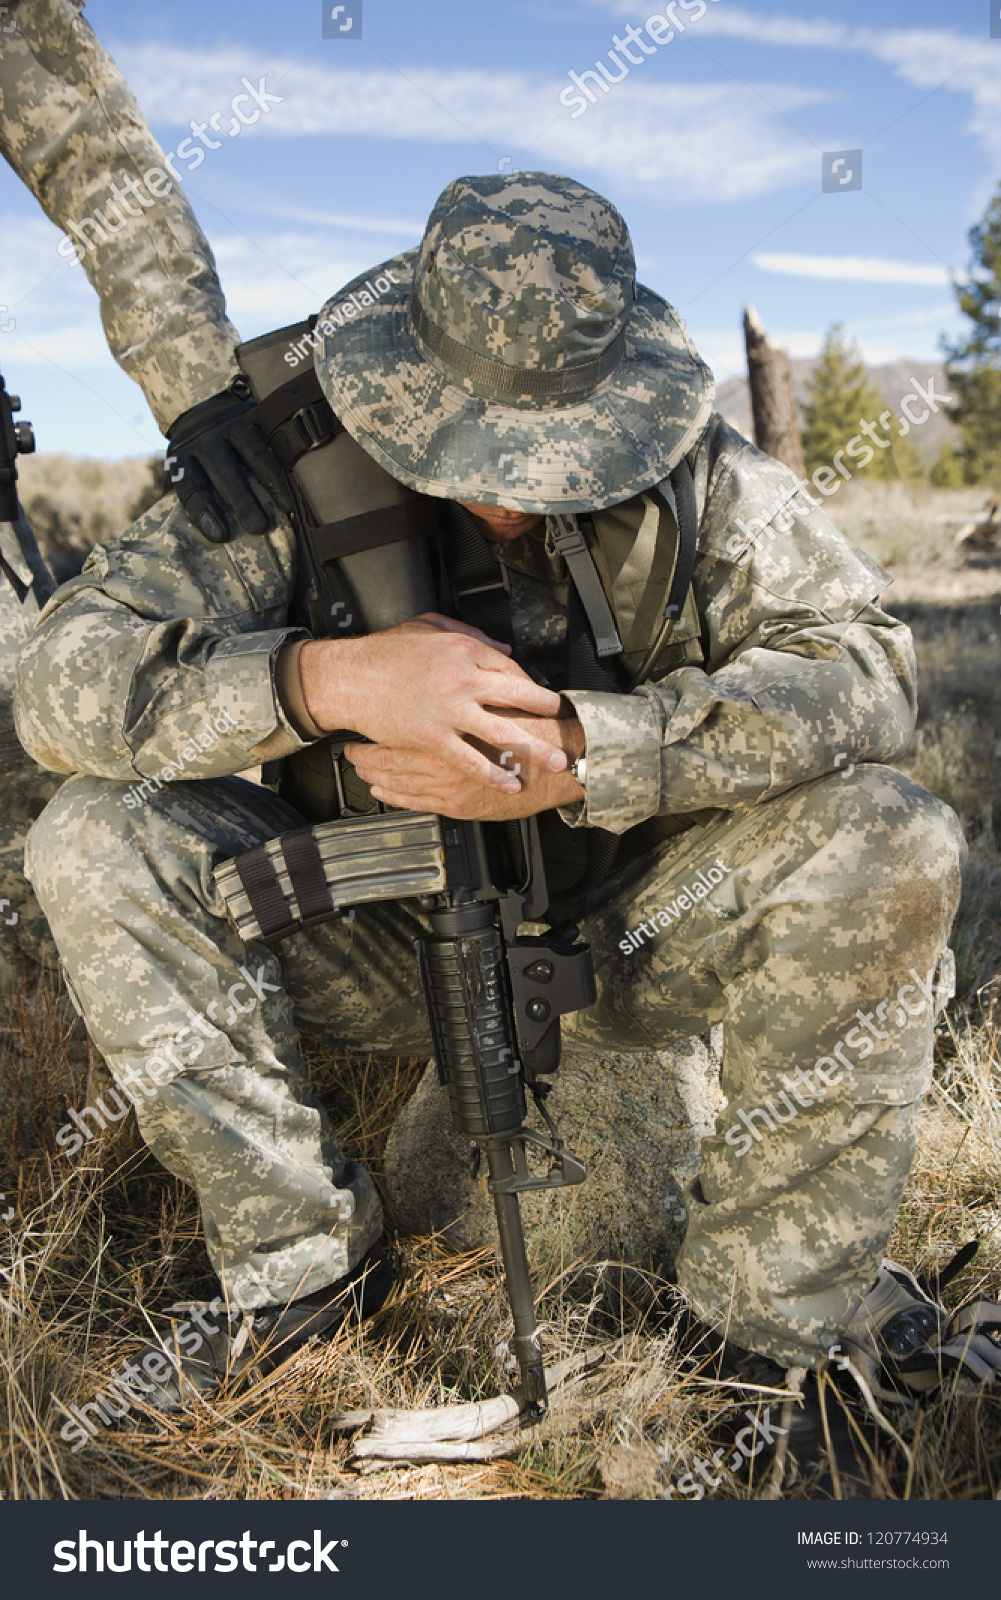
(579, 769)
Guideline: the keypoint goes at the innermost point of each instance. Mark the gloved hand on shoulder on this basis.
(216, 449)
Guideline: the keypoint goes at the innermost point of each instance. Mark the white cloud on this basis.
(408, 229)
(857, 269)
(732, 20)
(261, 293)
(53, 306)
(695, 143)
(926, 58)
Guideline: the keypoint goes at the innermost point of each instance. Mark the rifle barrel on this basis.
(519, 1285)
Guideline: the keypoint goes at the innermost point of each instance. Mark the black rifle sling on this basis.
(603, 638)
(588, 671)
(481, 593)
(688, 539)
(482, 601)
(477, 578)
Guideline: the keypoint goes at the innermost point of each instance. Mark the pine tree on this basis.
(975, 363)
(841, 398)
(947, 469)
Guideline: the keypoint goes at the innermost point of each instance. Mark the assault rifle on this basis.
(367, 553)
(16, 438)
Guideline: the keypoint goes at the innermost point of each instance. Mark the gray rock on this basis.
(637, 1119)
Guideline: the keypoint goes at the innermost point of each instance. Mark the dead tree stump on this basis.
(773, 404)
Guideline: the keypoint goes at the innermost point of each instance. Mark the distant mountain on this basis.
(733, 398)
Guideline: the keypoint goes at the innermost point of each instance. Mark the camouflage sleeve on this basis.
(159, 659)
(70, 128)
(805, 673)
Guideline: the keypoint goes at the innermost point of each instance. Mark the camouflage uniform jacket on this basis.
(782, 662)
(69, 126)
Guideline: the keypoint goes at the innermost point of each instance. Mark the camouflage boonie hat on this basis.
(514, 360)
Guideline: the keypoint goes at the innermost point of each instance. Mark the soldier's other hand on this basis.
(415, 780)
(426, 686)
(216, 449)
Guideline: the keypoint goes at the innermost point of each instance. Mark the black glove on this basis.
(215, 449)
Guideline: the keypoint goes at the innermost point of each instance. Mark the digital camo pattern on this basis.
(110, 649)
(534, 271)
(170, 992)
(837, 884)
(805, 668)
(25, 585)
(829, 896)
(70, 126)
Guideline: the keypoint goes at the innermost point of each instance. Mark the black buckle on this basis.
(307, 429)
(317, 423)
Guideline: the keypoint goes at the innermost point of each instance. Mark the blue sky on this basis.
(711, 147)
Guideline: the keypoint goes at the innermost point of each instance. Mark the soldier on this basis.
(70, 128)
(786, 881)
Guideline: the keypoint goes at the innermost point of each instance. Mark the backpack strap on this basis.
(569, 542)
(686, 506)
(477, 578)
(297, 418)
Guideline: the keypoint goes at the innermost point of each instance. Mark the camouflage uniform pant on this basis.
(828, 896)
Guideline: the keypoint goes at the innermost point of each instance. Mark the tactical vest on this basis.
(371, 554)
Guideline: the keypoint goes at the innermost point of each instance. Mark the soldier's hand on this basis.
(417, 781)
(425, 687)
(216, 448)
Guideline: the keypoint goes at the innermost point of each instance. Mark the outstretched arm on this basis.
(70, 127)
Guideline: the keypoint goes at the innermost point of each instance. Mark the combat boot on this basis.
(213, 1345)
(787, 1431)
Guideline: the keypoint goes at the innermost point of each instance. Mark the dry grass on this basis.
(904, 526)
(97, 1242)
(74, 503)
